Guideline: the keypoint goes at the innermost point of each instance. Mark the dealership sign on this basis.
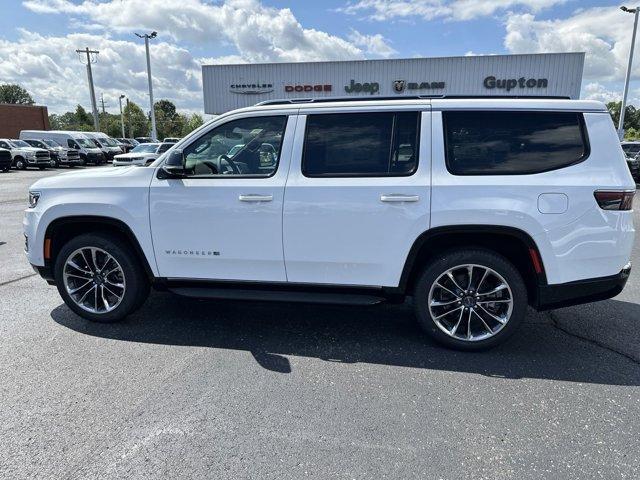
(510, 83)
(400, 86)
(307, 88)
(251, 88)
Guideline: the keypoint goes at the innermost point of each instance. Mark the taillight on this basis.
(612, 200)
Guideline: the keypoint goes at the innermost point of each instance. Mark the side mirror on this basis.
(174, 166)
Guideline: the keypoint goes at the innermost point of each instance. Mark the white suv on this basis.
(476, 208)
(24, 155)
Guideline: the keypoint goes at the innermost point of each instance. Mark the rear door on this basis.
(357, 195)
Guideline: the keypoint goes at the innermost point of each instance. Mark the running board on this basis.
(277, 295)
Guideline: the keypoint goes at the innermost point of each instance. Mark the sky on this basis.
(38, 39)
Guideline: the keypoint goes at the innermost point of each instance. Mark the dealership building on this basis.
(227, 87)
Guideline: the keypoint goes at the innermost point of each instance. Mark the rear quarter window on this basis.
(514, 142)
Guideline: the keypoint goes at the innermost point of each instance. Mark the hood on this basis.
(136, 155)
(98, 178)
(32, 149)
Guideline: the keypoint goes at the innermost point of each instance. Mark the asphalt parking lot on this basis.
(194, 389)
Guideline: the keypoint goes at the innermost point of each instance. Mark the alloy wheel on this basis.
(470, 302)
(94, 280)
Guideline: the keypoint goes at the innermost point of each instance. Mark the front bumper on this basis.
(582, 291)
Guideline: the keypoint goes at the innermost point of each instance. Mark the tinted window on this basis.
(164, 147)
(254, 143)
(361, 144)
(511, 143)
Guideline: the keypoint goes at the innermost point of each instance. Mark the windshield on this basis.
(51, 143)
(145, 148)
(108, 141)
(631, 149)
(19, 143)
(85, 142)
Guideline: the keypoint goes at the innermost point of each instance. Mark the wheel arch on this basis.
(514, 244)
(62, 229)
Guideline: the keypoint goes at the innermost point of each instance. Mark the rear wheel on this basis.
(470, 299)
(100, 278)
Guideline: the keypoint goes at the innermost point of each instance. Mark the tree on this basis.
(136, 123)
(631, 115)
(192, 122)
(169, 122)
(14, 93)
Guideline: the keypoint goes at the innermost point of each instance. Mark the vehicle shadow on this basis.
(386, 335)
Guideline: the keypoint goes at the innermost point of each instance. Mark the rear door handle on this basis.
(255, 198)
(395, 197)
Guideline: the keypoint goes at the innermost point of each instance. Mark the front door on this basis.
(224, 220)
(357, 196)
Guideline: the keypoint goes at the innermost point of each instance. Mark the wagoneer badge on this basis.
(192, 253)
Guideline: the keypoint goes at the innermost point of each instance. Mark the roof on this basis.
(545, 104)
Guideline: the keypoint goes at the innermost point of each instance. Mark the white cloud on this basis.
(383, 10)
(597, 91)
(49, 68)
(259, 33)
(52, 72)
(372, 44)
(604, 33)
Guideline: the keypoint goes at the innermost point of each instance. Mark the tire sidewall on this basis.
(481, 257)
(137, 285)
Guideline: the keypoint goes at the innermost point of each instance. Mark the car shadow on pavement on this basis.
(386, 335)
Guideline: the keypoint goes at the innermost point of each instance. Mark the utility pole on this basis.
(91, 58)
(623, 105)
(102, 102)
(121, 115)
(129, 119)
(146, 36)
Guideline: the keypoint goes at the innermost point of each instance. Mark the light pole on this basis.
(121, 115)
(623, 106)
(146, 37)
(91, 58)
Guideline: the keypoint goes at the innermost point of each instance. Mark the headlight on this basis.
(33, 199)
(31, 154)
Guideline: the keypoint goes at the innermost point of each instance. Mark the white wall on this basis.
(461, 76)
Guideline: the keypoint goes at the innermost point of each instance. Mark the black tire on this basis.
(42, 168)
(137, 283)
(20, 163)
(470, 256)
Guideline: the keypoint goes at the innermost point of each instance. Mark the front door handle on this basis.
(395, 197)
(255, 198)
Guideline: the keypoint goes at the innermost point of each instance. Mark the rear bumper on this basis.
(582, 291)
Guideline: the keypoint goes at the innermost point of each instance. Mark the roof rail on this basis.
(285, 101)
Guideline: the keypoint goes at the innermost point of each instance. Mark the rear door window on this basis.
(361, 144)
(512, 143)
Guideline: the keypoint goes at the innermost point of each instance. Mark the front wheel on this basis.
(100, 278)
(470, 299)
(20, 163)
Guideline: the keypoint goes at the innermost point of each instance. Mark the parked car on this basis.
(476, 208)
(59, 154)
(87, 150)
(143, 154)
(5, 160)
(108, 145)
(171, 140)
(24, 155)
(631, 149)
(634, 167)
(127, 144)
(145, 140)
